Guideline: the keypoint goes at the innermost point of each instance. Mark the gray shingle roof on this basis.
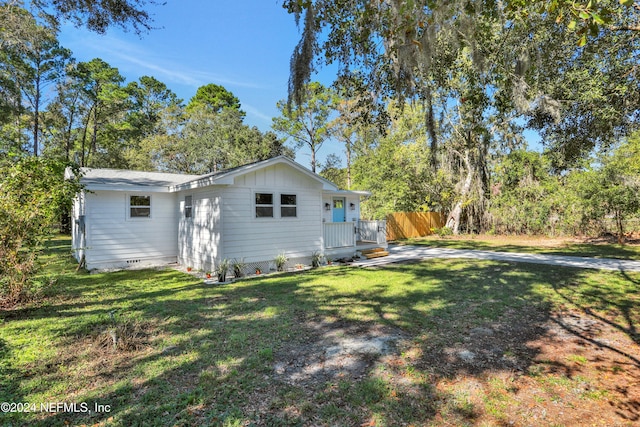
(126, 178)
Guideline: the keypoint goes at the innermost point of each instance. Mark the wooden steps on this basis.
(374, 253)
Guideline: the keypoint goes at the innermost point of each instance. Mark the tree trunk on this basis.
(84, 139)
(431, 129)
(68, 133)
(94, 135)
(620, 227)
(313, 158)
(36, 118)
(453, 220)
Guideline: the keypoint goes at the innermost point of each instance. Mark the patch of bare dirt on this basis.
(523, 240)
(568, 369)
(500, 345)
(602, 365)
(127, 336)
(608, 238)
(334, 350)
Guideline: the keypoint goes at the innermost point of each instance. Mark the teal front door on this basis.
(339, 213)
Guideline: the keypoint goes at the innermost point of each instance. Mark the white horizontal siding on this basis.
(261, 239)
(113, 238)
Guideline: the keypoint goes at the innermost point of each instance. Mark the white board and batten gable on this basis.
(253, 212)
(263, 209)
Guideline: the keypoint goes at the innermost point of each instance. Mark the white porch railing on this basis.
(346, 234)
(339, 234)
(372, 231)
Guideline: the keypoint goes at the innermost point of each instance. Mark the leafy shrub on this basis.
(280, 260)
(443, 232)
(33, 193)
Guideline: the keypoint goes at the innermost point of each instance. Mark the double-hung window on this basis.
(264, 205)
(140, 206)
(288, 206)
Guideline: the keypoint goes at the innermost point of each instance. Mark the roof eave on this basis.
(229, 177)
(127, 188)
(359, 193)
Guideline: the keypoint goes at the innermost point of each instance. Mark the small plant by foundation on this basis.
(221, 270)
(238, 266)
(316, 259)
(280, 260)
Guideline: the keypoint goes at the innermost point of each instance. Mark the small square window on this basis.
(140, 206)
(288, 212)
(288, 199)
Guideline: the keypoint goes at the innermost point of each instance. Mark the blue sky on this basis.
(244, 45)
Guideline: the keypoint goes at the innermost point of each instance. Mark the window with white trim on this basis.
(264, 205)
(288, 206)
(188, 206)
(140, 206)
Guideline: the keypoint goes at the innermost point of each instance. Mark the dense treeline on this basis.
(86, 113)
(527, 195)
(477, 75)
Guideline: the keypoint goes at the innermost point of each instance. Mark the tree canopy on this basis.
(99, 15)
(403, 50)
(484, 72)
(308, 124)
(213, 98)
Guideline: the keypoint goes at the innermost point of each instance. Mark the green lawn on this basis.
(527, 245)
(196, 354)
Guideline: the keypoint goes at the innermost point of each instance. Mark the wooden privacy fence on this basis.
(402, 225)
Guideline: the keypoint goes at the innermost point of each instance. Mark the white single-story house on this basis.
(252, 213)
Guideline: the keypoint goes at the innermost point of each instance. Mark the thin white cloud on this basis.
(206, 77)
(256, 113)
(162, 72)
(134, 57)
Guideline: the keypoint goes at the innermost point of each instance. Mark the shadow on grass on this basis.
(211, 358)
(9, 387)
(620, 308)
